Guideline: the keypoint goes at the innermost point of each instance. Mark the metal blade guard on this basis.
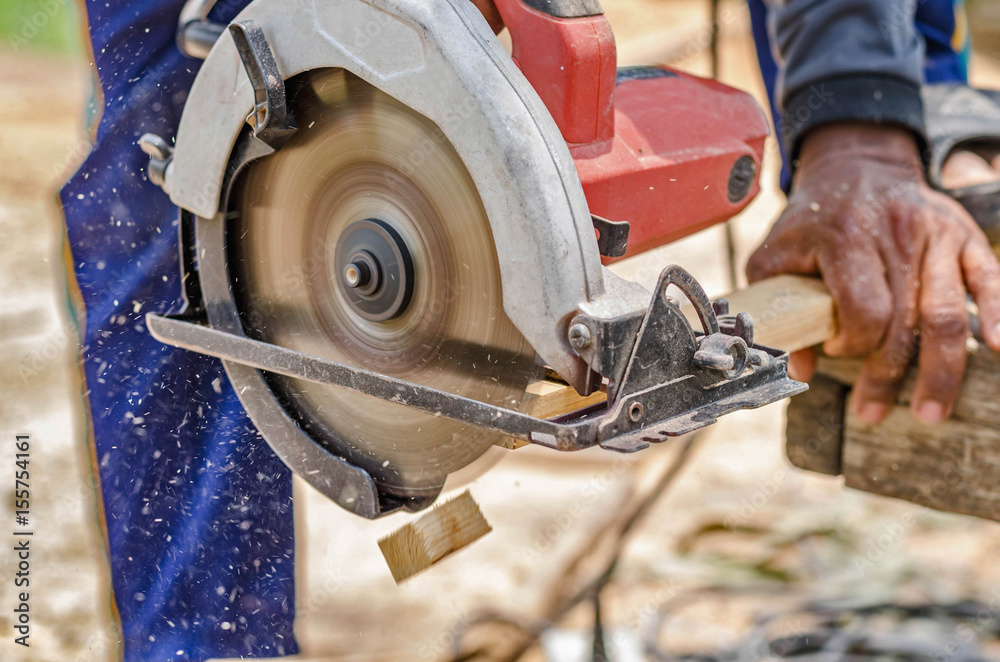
(674, 381)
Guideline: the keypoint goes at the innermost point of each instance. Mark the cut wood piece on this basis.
(952, 466)
(814, 432)
(549, 399)
(447, 528)
(510, 443)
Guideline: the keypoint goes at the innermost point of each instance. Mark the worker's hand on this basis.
(898, 258)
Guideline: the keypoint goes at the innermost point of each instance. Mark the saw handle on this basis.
(566, 50)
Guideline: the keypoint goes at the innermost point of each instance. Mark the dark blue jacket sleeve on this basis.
(197, 507)
(827, 61)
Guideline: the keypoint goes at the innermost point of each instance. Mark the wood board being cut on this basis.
(950, 466)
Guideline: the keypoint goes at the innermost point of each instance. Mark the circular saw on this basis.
(356, 248)
(390, 226)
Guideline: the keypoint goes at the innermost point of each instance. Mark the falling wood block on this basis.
(444, 530)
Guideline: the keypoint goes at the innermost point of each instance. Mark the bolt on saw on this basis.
(390, 226)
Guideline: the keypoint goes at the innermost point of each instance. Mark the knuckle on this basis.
(940, 381)
(876, 382)
(870, 317)
(986, 276)
(986, 280)
(946, 323)
(913, 233)
(941, 207)
(898, 355)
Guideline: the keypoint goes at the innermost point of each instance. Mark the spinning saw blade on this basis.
(364, 241)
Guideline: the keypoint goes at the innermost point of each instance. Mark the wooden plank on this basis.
(977, 398)
(789, 312)
(447, 528)
(549, 399)
(952, 466)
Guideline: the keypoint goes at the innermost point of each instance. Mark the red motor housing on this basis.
(668, 152)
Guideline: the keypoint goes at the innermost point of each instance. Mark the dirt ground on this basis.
(41, 140)
(738, 517)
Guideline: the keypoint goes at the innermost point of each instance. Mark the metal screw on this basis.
(155, 146)
(160, 153)
(743, 327)
(635, 412)
(579, 336)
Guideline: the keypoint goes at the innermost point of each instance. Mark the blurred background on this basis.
(718, 556)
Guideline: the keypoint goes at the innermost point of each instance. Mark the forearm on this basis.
(846, 61)
(895, 148)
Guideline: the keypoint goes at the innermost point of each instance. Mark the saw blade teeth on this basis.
(360, 155)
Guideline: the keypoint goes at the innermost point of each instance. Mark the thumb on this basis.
(779, 256)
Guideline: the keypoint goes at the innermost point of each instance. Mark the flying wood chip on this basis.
(420, 544)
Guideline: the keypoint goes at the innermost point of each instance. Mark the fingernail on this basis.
(930, 412)
(872, 413)
(994, 338)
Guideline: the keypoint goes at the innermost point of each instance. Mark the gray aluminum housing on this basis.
(440, 58)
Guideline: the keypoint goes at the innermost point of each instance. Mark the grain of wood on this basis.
(444, 530)
(977, 398)
(789, 312)
(548, 399)
(551, 399)
(952, 466)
